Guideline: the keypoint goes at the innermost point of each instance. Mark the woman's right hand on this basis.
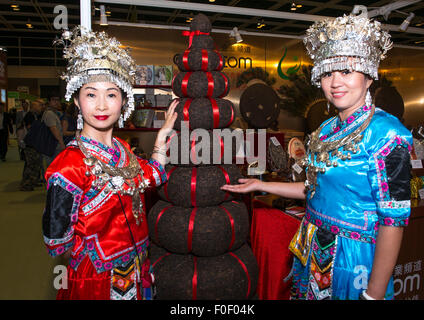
(245, 186)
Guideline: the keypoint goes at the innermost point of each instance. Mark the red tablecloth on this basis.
(271, 233)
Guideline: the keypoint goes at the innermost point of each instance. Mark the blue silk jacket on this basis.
(355, 197)
(334, 246)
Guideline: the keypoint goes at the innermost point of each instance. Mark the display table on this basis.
(271, 233)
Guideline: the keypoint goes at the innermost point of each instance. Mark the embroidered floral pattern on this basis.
(98, 200)
(338, 230)
(107, 263)
(159, 172)
(379, 158)
(393, 222)
(58, 250)
(312, 281)
(338, 125)
(112, 156)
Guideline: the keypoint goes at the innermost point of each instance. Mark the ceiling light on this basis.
(103, 18)
(299, 6)
(190, 18)
(29, 24)
(406, 22)
(236, 35)
(211, 0)
(260, 24)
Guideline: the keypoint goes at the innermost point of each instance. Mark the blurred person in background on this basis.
(69, 123)
(6, 127)
(32, 167)
(51, 118)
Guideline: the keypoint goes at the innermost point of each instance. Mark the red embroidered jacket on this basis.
(90, 220)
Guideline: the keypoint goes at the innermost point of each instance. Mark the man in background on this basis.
(32, 168)
(51, 118)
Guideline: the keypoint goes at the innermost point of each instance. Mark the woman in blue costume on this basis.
(358, 173)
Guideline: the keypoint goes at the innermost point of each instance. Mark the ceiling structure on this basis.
(33, 46)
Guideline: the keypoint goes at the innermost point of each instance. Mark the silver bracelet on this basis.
(159, 151)
(366, 296)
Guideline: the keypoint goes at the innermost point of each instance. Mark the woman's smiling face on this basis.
(100, 104)
(346, 90)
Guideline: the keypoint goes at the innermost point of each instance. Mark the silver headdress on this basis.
(94, 56)
(349, 42)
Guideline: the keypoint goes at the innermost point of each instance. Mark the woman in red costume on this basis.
(95, 204)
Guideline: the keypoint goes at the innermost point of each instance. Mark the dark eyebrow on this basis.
(87, 88)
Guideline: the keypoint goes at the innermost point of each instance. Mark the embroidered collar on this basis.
(114, 156)
(340, 125)
(337, 125)
(110, 150)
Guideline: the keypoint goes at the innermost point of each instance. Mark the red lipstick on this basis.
(102, 118)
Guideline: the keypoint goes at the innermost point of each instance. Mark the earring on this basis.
(328, 107)
(80, 121)
(368, 99)
(121, 122)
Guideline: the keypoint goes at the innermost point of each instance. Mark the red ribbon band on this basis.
(227, 177)
(233, 236)
(245, 270)
(194, 279)
(191, 34)
(168, 143)
(226, 85)
(160, 258)
(184, 83)
(193, 186)
(157, 221)
(193, 147)
(205, 60)
(215, 113)
(211, 84)
(185, 60)
(190, 229)
(186, 113)
(221, 62)
(232, 116)
(165, 188)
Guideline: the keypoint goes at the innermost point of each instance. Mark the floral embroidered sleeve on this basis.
(62, 205)
(390, 174)
(154, 171)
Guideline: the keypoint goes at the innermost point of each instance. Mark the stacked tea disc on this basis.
(199, 232)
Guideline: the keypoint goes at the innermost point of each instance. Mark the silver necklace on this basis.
(319, 151)
(117, 180)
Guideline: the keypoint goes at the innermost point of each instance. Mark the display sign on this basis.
(408, 273)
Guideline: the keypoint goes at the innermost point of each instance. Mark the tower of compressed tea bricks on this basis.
(199, 232)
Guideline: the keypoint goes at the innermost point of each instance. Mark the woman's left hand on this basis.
(170, 117)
